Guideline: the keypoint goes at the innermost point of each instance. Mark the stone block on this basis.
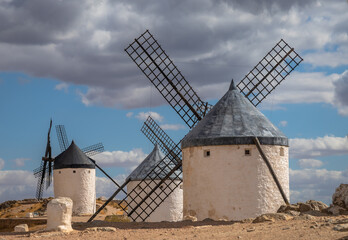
(21, 228)
(59, 211)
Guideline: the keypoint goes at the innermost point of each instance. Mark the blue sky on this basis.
(70, 66)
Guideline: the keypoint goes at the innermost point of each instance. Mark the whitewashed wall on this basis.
(170, 210)
(79, 186)
(229, 185)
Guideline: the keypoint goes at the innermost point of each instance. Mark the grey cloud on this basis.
(210, 42)
(341, 89)
(36, 21)
(268, 5)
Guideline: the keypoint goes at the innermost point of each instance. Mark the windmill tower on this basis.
(74, 177)
(172, 206)
(152, 60)
(73, 173)
(223, 166)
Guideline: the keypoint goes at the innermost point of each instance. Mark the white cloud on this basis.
(128, 160)
(317, 184)
(310, 163)
(19, 184)
(154, 115)
(174, 127)
(2, 163)
(20, 162)
(62, 86)
(105, 187)
(129, 114)
(283, 123)
(321, 146)
(314, 87)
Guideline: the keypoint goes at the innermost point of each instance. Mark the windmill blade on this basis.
(93, 149)
(38, 171)
(41, 180)
(140, 203)
(156, 135)
(62, 137)
(269, 72)
(149, 56)
(49, 178)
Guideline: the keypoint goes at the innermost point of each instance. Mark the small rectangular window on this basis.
(282, 152)
(206, 153)
(247, 152)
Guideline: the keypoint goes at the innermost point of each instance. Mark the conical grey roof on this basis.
(144, 170)
(73, 157)
(234, 120)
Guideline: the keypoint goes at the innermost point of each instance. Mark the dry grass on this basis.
(116, 218)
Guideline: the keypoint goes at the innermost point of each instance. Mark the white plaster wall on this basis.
(169, 210)
(79, 186)
(229, 185)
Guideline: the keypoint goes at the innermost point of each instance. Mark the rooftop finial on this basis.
(232, 86)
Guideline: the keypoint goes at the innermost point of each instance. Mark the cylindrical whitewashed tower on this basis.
(224, 175)
(74, 177)
(171, 208)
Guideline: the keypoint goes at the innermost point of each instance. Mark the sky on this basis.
(65, 60)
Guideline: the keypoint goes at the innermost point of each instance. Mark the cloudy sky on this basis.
(66, 60)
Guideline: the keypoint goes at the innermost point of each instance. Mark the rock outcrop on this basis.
(311, 207)
(340, 197)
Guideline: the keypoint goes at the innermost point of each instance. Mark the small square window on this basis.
(206, 153)
(74, 171)
(247, 152)
(60, 172)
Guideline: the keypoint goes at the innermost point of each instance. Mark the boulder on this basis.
(308, 206)
(21, 228)
(304, 207)
(337, 210)
(317, 205)
(59, 211)
(340, 197)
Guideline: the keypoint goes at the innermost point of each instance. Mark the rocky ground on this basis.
(275, 227)
(309, 220)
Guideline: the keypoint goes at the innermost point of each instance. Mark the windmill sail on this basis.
(269, 72)
(62, 137)
(149, 194)
(46, 162)
(93, 149)
(149, 56)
